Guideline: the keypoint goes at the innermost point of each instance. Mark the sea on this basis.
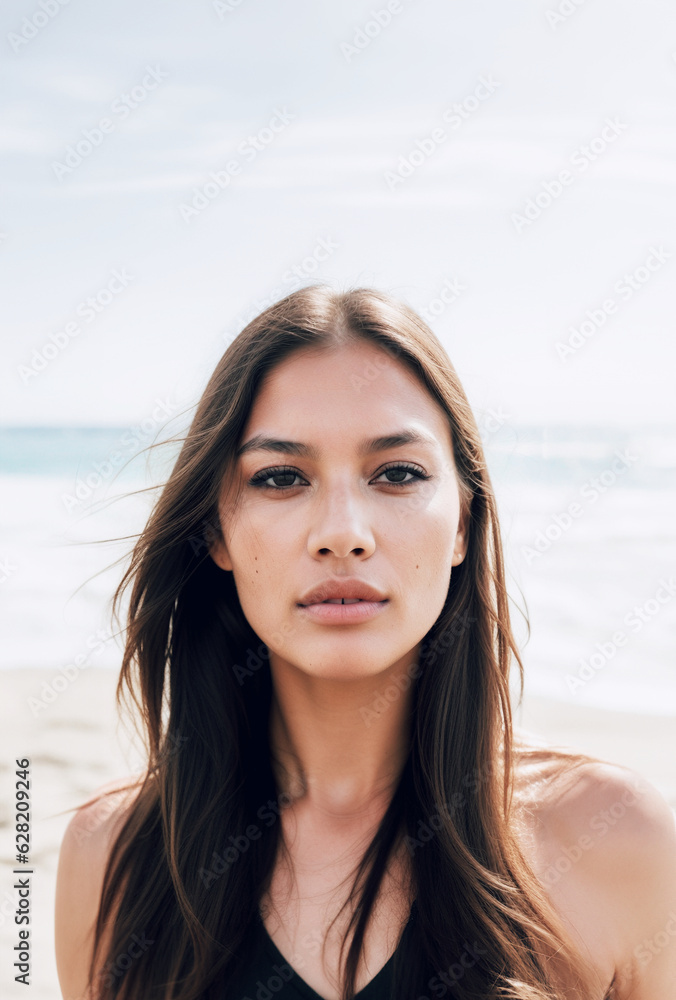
(588, 522)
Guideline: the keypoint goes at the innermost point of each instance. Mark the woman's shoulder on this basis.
(567, 790)
(95, 825)
(84, 853)
(602, 841)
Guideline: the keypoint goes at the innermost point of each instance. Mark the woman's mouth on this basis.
(343, 610)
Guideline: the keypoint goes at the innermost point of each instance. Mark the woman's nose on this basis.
(341, 525)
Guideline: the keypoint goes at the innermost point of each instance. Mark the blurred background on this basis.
(508, 168)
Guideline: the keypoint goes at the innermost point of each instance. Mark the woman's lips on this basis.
(351, 612)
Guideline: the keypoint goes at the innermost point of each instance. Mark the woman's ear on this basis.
(461, 538)
(218, 551)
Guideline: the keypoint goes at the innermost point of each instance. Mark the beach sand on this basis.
(76, 744)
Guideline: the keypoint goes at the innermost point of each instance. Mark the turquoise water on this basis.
(63, 451)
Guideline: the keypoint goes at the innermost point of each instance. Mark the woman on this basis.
(319, 644)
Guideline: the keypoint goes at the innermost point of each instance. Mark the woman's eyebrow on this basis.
(262, 443)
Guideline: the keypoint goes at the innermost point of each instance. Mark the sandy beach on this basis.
(76, 744)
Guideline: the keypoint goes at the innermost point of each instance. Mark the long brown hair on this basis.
(184, 869)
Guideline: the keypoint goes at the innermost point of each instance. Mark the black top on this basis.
(272, 978)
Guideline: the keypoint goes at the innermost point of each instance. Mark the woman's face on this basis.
(332, 497)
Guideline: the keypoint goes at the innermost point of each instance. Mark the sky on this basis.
(171, 169)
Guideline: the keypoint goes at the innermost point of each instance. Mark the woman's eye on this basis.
(400, 472)
(280, 478)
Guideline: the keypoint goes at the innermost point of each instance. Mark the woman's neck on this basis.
(339, 746)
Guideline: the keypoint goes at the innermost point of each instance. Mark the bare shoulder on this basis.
(602, 841)
(96, 822)
(569, 795)
(85, 849)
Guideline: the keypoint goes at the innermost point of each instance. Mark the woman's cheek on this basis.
(261, 589)
(432, 535)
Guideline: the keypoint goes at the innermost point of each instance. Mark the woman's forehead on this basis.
(354, 383)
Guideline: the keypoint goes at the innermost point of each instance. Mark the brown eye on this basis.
(275, 479)
(286, 477)
(399, 472)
